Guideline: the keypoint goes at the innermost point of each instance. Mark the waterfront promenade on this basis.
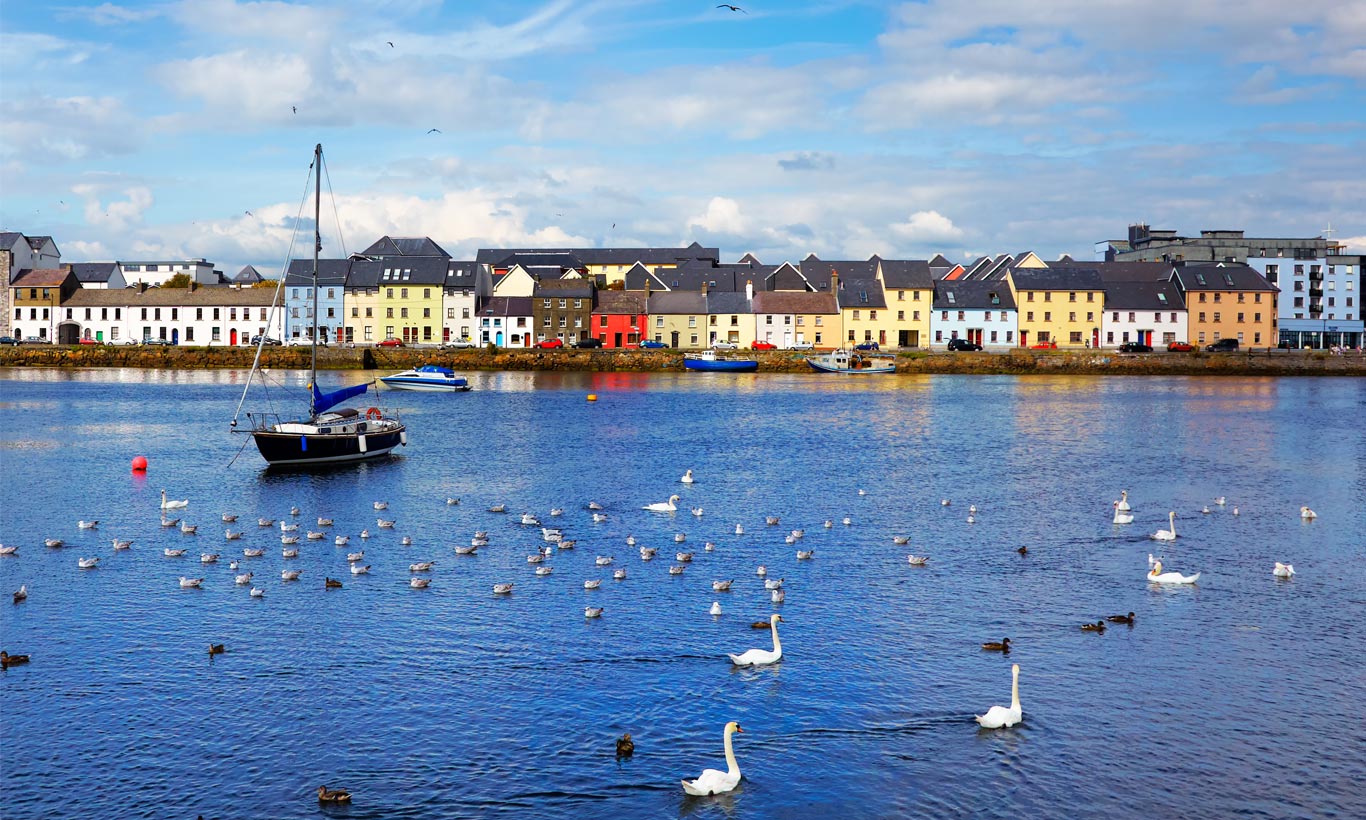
(1016, 362)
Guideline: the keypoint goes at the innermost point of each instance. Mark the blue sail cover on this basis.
(323, 402)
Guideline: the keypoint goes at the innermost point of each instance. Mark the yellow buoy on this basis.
(592, 396)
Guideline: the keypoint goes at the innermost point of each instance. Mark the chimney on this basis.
(704, 287)
(142, 286)
(193, 285)
(647, 289)
(749, 290)
(834, 281)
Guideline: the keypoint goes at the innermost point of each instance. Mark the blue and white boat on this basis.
(427, 377)
(842, 361)
(708, 360)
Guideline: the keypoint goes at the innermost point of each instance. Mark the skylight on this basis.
(1162, 297)
(950, 297)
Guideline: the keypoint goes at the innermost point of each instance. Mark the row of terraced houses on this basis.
(1153, 288)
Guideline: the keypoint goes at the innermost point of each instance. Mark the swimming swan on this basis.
(687, 477)
(1122, 517)
(1283, 570)
(1123, 503)
(173, 505)
(712, 781)
(762, 657)
(663, 506)
(998, 717)
(1157, 576)
(1308, 514)
(1167, 535)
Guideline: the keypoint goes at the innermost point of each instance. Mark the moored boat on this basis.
(708, 360)
(428, 377)
(842, 361)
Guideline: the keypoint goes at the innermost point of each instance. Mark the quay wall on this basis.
(1021, 362)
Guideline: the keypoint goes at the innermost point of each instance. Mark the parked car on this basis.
(271, 341)
(89, 341)
(651, 344)
(392, 342)
(588, 342)
(758, 345)
(867, 346)
(1180, 347)
(304, 341)
(720, 345)
(1135, 347)
(549, 344)
(1044, 346)
(155, 342)
(1222, 346)
(802, 346)
(36, 340)
(8, 340)
(963, 344)
(457, 344)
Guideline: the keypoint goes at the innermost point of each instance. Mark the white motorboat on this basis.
(428, 377)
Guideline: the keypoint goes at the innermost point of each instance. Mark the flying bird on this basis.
(434, 131)
(390, 42)
(249, 213)
(294, 108)
(732, 8)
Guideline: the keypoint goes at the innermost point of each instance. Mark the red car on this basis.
(1180, 347)
(1044, 346)
(550, 344)
(391, 343)
(763, 346)
(91, 342)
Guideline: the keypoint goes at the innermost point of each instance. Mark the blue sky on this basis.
(168, 129)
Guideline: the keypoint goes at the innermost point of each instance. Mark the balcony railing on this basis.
(1316, 293)
(1316, 276)
(1316, 309)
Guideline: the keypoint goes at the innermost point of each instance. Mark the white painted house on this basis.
(465, 283)
(980, 311)
(155, 272)
(187, 316)
(1150, 313)
(506, 321)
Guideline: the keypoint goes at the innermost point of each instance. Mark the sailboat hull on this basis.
(295, 449)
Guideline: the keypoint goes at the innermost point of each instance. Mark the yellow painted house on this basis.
(1059, 306)
(908, 290)
(410, 292)
(678, 319)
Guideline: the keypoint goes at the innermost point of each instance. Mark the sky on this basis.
(185, 128)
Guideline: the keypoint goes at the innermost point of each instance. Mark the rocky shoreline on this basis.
(1020, 362)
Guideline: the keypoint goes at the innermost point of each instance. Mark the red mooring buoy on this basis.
(139, 464)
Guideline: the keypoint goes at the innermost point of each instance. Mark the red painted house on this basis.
(619, 317)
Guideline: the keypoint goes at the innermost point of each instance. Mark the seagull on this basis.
(249, 213)
(434, 131)
(294, 108)
(732, 8)
(390, 42)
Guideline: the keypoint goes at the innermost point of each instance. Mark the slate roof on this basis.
(1128, 271)
(909, 274)
(37, 242)
(1057, 278)
(1132, 295)
(364, 275)
(413, 270)
(728, 302)
(861, 293)
(40, 278)
(972, 295)
(331, 272)
(405, 246)
(506, 306)
(1224, 277)
(248, 275)
(610, 256)
(172, 297)
(620, 302)
(8, 240)
(560, 260)
(563, 289)
(93, 271)
(794, 302)
(677, 302)
(462, 274)
(818, 270)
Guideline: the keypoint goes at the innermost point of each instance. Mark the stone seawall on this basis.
(1020, 362)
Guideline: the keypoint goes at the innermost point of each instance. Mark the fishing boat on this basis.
(708, 360)
(428, 377)
(326, 436)
(842, 361)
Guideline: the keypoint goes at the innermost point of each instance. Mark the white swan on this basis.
(1123, 503)
(172, 505)
(1167, 535)
(715, 608)
(663, 506)
(762, 657)
(1157, 576)
(1283, 570)
(999, 716)
(712, 781)
(1122, 517)
(687, 477)
(739, 530)
(1308, 514)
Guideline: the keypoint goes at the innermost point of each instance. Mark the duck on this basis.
(805, 555)
(421, 566)
(1002, 646)
(326, 795)
(687, 477)
(1023, 550)
(618, 575)
(1157, 576)
(170, 553)
(384, 505)
(289, 574)
(762, 657)
(324, 522)
(243, 579)
(331, 583)
(122, 544)
(208, 557)
(1167, 535)
(289, 553)
(603, 560)
(712, 781)
(999, 717)
(502, 589)
(1123, 503)
(777, 596)
(167, 504)
(715, 608)
(773, 583)
(189, 529)
(342, 540)
(53, 542)
(759, 625)
(1308, 514)
(592, 612)
(1121, 619)
(676, 569)
(229, 535)
(592, 583)
(358, 569)
(88, 563)
(1098, 626)
(901, 540)
(498, 508)
(663, 506)
(265, 522)
(87, 525)
(917, 560)
(625, 746)
(190, 583)
(761, 571)
(739, 529)
(1283, 570)
(721, 586)
(7, 660)
(419, 583)
(217, 649)
(229, 518)
(385, 523)
(646, 553)
(257, 592)
(683, 557)
(21, 593)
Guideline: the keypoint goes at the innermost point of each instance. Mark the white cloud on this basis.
(722, 216)
(108, 14)
(116, 215)
(928, 227)
(1355, 244)
(51, 129)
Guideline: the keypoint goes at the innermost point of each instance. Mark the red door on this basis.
(232, 335)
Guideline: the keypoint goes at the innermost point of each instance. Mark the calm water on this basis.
(1241, 695)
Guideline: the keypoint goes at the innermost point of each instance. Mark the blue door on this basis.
(498, 339)
(175, 336)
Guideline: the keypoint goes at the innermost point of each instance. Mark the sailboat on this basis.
(326, 436)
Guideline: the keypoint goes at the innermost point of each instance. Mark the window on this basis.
(388, 331)
(464, 313)
(915, 295)
(872, 315)
(113, 333)
(578, 303)
(961, 315)
(1047, 296)
(564, 303)
(369, 312)
(939, 335)
(215, 334)
(1075, 337)
(355, 312)
(694, 339)
(331, 313)
(1072, 316)
(1202, 316)
(692, 321)
(1029, 316)
(144, 314)
(915, 314)
(993, 337)
(1090, 297)
(1256, 317)
(369, 334)
(403, 313)
(768, 320)
(426, 294)
(1029, 297)
(1109, 337)
(659, 321)
(602, 320)
(545, 303)
(1048, 316)
(1072, 296)
(1202, 297)
(1240, 318)
(189, 334)
(450, 313)
(1216, 316)
(388, 313)
(901, 296)
(787, 320)
(818, 324)
(1114, 317)
(426, 313)
(901, 315)
(215, 314)
(403, 293)
(856, 316)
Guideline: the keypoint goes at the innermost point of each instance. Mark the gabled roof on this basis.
(37, 242)
(1133, 295)
(972, 295)
(639, 275)
(405, 246)
(506, 306)
(794, 302)
(910, 274)
(677, 302)
(861, 293)
(560, 260)
(563, 289)
(1075, 278)
(728, 302)
(750, 259)
(331, 273)
(818, 270)
(937, 261)
(8, 240)
(610, 256)
(1223, 276)
(93, 271)
(462, 274)
(631, 303)
(40, 278)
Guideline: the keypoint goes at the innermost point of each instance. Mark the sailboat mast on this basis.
(317, 249)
